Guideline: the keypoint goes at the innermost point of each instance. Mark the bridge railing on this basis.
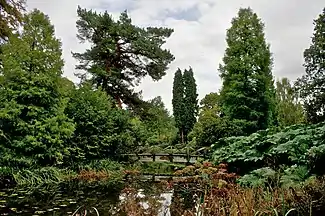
(166, 157)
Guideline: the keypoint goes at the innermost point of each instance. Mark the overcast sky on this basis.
(199, 33)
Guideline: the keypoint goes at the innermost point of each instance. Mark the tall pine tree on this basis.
(248, 93)
(190, 101)
(178, 102)
(312, 84)
(32, 120)
(121, 53)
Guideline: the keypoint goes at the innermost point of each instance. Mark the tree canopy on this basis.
(178, 102)
(190, 101)
(32, 105)
(11, 15)
(185, 102)
(289, 109)
(248, 95)
(312, 84)
(121, 53)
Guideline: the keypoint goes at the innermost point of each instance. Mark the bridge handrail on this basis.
(161, 155)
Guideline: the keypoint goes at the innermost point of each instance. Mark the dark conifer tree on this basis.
(248, 93)
(178, 103)
(190, 101)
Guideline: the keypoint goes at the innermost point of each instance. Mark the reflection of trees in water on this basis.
(69, 197)
(60, 199)
(184, 198)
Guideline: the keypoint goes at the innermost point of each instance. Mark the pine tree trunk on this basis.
(119, 102)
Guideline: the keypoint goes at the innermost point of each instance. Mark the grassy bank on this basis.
(102, 171)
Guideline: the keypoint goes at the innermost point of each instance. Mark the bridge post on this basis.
(171, 157)
(153, 157)
(188, 157)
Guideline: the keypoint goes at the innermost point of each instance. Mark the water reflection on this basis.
(65, 199)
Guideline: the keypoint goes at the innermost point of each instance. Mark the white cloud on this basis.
(199, 43)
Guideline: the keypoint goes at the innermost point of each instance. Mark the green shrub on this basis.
(298, 144)
(295, 152)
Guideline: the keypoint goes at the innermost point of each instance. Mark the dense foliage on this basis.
(248, 96)
(45, 120)
(190, 101)
(312, 84)
(298, 145)
(49, 125)
(185, 102)
(33, 124)
(121, 53)
(102, 131)
(289, 109)
(211, 125)
(11, 16)
(178, 102)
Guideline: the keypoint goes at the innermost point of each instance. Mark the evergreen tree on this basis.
(312, 84)
(121, 53)
(248, 94)
(290, 111)
(190, 101)
(178, 102)
(32, 119)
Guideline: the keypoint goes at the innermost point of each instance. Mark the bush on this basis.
(298, 145)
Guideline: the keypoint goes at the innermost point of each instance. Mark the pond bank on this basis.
(211, 190)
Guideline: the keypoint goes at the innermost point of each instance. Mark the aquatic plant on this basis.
(37, 177)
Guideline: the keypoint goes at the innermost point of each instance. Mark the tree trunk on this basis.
(119, 102)
(182, 136)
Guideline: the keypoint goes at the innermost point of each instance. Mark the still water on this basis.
(66, 199)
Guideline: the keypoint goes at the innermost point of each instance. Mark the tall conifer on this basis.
(190, 101)
(178, 102)
(248, 93)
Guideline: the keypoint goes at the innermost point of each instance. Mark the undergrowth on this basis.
(103, 171)
(285, 157)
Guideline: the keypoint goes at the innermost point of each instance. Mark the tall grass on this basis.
(37, 177)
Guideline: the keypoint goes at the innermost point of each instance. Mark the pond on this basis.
(70, 198)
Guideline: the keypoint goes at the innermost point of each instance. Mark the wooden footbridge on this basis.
(163, 157)
(186, 159)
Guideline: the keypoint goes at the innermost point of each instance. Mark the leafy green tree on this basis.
(32, 105)
(290, 111)
(67, 87)
(156, 130)
(178, 102)
(101, 129)
(190, 101)
(121, 53)
(312, 84)
(11, 16)
(248, 94)
(160, 123)
(211, 125)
